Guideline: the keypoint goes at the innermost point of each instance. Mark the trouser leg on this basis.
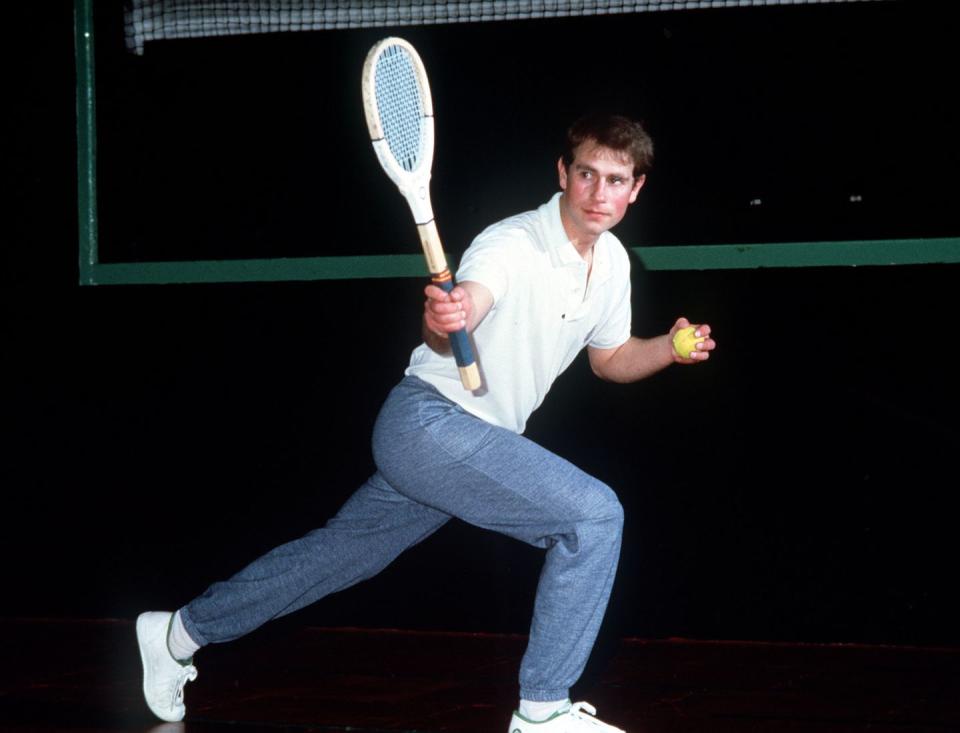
(439, 456)
(374, 526)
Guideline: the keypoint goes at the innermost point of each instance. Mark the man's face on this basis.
(598, 187)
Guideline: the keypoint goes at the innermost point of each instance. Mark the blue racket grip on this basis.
(462, 350)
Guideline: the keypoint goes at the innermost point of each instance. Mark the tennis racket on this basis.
(399, 111)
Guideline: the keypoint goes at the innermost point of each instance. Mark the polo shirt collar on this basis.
(565, 254)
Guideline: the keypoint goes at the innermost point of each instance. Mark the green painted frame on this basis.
(686, 257)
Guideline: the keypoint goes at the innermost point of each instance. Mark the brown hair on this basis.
(615, 132)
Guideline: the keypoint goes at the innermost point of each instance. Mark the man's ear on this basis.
(636, 187)
(562, 173)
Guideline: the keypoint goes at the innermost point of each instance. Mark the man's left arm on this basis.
(638, 358)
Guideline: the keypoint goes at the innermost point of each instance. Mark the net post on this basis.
(86, 139)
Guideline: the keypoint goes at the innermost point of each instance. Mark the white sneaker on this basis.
(579, 718)
(163, 676)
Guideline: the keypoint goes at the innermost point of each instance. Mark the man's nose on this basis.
(599, 191)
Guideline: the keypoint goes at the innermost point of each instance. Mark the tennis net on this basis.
(154, 20)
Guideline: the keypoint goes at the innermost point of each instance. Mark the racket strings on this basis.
(399, 106)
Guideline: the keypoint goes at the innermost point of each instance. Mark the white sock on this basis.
(179, 643)
(540, 711)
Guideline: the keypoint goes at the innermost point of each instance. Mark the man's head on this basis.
(615, 132)
(601, 173)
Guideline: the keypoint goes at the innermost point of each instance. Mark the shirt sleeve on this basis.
(615, 328)
(489, 261)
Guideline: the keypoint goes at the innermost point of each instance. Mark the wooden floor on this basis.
(84, 676)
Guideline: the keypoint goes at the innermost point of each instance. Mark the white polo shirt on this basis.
(544, 312)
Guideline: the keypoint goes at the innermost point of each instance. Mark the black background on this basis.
(798, 487)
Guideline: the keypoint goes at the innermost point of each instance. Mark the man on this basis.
(535, 289)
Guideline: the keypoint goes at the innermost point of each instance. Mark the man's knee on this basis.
(604, 505)
(603, 516)
(616, 513)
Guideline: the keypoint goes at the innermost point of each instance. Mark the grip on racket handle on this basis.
(462, 351)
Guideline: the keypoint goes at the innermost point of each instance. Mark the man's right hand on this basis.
(443, 313)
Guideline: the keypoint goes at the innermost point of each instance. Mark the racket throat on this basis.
(433, 251)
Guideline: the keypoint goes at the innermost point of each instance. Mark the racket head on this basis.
(399, 110)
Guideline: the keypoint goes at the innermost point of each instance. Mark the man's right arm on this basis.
(465, 306)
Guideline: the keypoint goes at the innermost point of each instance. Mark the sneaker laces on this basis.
(187, 674)
(577, 711)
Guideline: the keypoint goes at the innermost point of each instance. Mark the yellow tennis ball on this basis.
(684, 341)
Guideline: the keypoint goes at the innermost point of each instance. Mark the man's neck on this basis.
(585, 252)
(583, 243)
